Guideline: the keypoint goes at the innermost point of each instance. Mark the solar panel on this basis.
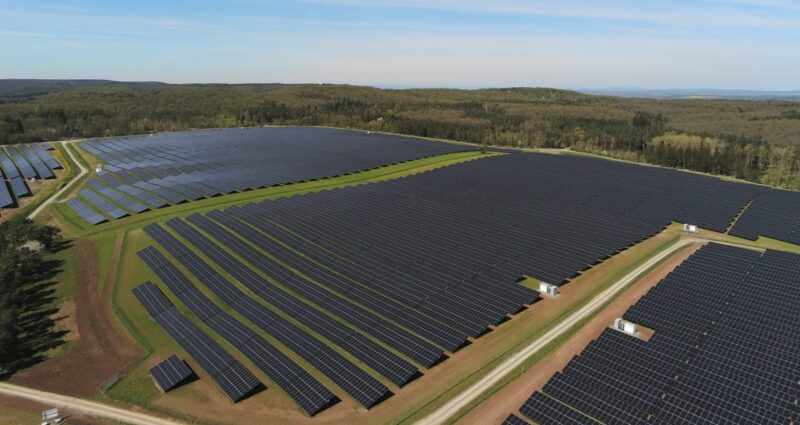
(304, 389)
(24, 167)
(18, 187)
(8, 165)
(85, 212)
(126, 202)
(171, 373)
(6, 200)
(48, 160)
(41, 169)
(102, 204)
(231, 376)
(514, 420)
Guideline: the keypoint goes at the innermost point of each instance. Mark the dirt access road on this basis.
(66, 187)
(72, 404)
(460, 401)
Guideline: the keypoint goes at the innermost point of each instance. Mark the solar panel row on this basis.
(724, 349)
(171, 373)
(304, 389)
(103, 204)
(8, 166)
(357, 383)
(38, 165)
(194, 165)
(372, 354)
(231, 376)
(338, 297)
(22, 164)
(85, 212)
(12, 181)
(18, 187)
(48, 160)
(126, 202)
(6, 200)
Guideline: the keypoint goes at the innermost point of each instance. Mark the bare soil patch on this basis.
(36, 408)
(100, 352)
(508, 399)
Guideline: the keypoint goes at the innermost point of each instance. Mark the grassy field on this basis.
(15, 416)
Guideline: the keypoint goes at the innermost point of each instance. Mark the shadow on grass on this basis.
(36, 318)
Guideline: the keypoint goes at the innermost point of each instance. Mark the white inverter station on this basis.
(548, 289)
(625, 326)
(691, 228)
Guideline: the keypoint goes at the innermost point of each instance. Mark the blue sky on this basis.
(753, 44)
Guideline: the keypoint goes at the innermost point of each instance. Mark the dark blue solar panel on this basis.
(41, 169)
(126, 202)
(19, 187)
(102, 204)
(231, 376)
(171, 373)
(304, 389)
(6, 200)
(22, 164)
(85, 212)
(7, 165)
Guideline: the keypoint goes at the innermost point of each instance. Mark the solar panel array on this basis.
(725, 350)
(388, 364)
(304, 389)
(365, 389)
(179, 167)
(18, 163)
(774, 214)
(171, 373)
(232, 377)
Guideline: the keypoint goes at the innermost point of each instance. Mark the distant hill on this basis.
(753, 140)
(697, 93)
(28, 89)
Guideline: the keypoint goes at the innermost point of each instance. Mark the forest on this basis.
(27, 322)
(752, 140)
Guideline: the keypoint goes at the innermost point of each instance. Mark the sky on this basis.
(724, 44)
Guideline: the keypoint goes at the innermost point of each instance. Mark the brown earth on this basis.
(37, 408)
(508, 399)
(101, 351)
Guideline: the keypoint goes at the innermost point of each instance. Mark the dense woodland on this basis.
(27, 322)
(752, 140)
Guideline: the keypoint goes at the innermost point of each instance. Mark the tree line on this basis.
(536, 118)
(27, 322)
